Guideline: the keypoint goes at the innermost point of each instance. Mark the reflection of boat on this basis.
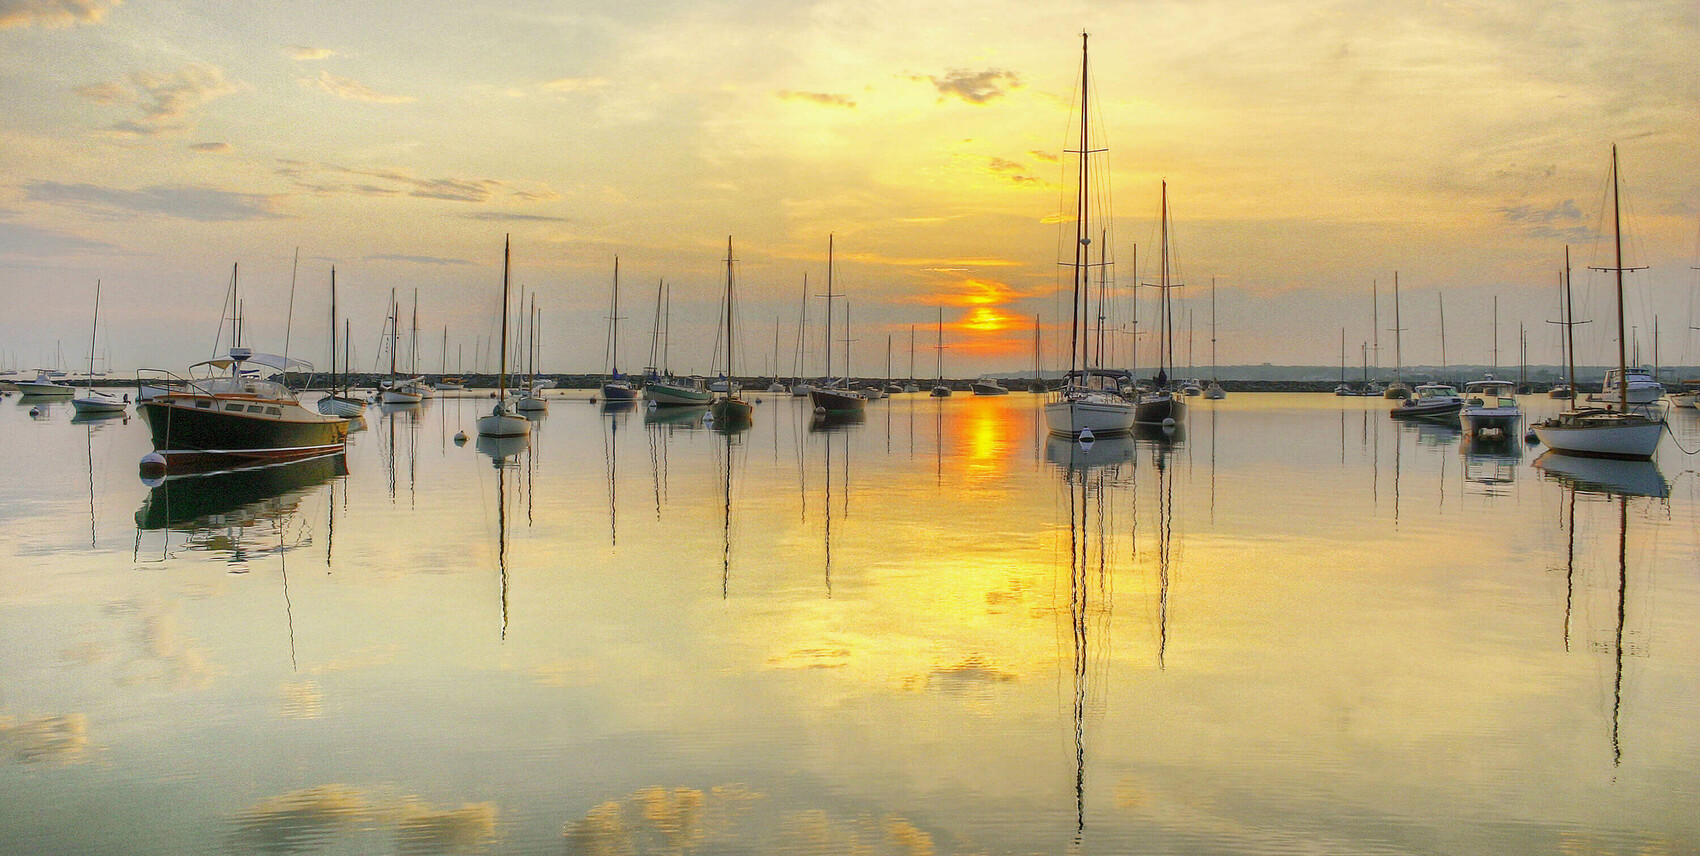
(690, 417)
(1490, 459)
(1430, 401)
(99, 416)
(1074, 455)
(837, 420)
(235, 497)
(500, 449)
(1603, 476)
(1605, 432)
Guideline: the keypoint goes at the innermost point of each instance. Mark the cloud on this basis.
(165, 99)
(187, 202)
(1560, 221)
(418, 260)
(305, 53)
(210, 148)
(1015, 172)
(53, 13)
(976, 87)
(506, 217)
(829, 99)
(352, 90)
(1046, 157)
(573, 84)
(20, 241)
(393, 182)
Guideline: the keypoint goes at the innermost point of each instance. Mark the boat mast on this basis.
(93, 326)
(334, 377)
(829, 296)
(941, 346)
(1081, 216)
(502, 376)
(728, 316)
(1398, 339)
(1213, 328)
(1442, 299)
(1496, 333)
(1617, 236)
(395, 311)
(1570, 327)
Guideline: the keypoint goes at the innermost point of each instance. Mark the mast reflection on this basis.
(504, 453)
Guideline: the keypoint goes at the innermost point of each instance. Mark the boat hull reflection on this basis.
(1604, 476)
(235, 497)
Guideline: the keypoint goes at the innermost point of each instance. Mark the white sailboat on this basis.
(1084, 406)
(532, 401)
(617, 387)
(97, 401)
(503, 421)
(333, 403)
(1606, 432)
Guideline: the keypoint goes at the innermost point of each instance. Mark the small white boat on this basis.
(44, 384)
(1685, 395)
(1215, 392)
(1641, 387)
(1490, 405)
(94, 400)
(1431, 401)
(503, 423)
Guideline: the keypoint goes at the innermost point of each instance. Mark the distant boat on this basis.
(730, 411)
(1163, 405)
(338, 402)
(1605, 432)
(503, 422)
(617, 387)
(398, 390)
(1685, 393)
(1490, 405)
(660, 386)
(97, 401)
(941, 389)
(828, 396)
(1397, 390)
(532, 401)
(1641, 388)
(448, 382)
(1038, 383)
(44, 385)
(1214, 391)
(988, 386)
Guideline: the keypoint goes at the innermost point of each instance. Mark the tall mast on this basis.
(614, 324)
(1398, 329)
(829, 296)
(941, 346)
(1442, 299)
(1375, 321)
(728, 316)
(395, 310)
(93, 326)
(1168, 354)
(1496, 333)
(502, 376)
(1081, 225)
(1213, 328)
(413, 337)
(1569, 327)
(334, 377)
(1617, 243)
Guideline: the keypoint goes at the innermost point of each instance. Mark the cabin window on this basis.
(203, 404)
(274, 411)
(235, 407)
(255, 408)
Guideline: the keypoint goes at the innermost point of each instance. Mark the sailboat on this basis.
(799, 387)
(1397, 389)
(730, 411)
(872, 391)
(1163, 405)
(1087, 405)
(532, 401)
(1214, 391)
(397, 390)
(777, 385)
(892, 387)
(828, 396)
(941, 389)
(449, 382)
(1037, 384)
(97, 401)
(335, 403)
(503, 421)
(616, 387)
(911, 386)
(1605, 432)
(660, 386)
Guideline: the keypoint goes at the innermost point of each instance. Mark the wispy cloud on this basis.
(506, 217)
(323, 179)
(829, 99)
(307, 54)
(975, 87)
(186, 202)
(1014, 171)
(573, 84)
(210, 148)
(165, 99)
(418, 260)
(352, 90)
(53, 13)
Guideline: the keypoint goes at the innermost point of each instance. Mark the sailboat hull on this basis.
(1602, 435)
(618, 391)
(503, 424)
(1103, 415)
(1159, 408)
(99, 402)
(833, 400)
(337, 405)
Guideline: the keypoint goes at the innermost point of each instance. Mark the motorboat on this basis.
(988, 386)
(1430, 401)
(1641, 388)
(1490, 405)
(231, 412)
(45, 384)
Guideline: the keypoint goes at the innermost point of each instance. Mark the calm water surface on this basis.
(1297, 626)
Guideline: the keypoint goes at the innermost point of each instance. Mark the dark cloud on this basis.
(1558, 221)
(976, 87)
(829, 99)
(53, 13)
(418, 260)
(182, 201)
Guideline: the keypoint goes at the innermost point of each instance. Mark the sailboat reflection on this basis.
(616, 417)
(837, 420)
(234, 510)
(726, 463)
(504, 455)
(1610, 479)
(1074, 455)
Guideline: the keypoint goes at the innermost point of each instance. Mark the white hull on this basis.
(1069, 417)
(1475, 420)
(36, 387)
(1683, 399)
(397, 396)
(334, 405)
(503, 425)
(1609, 436)
(533, 405)
(1215, 392)
(99, 402)
(800, 390)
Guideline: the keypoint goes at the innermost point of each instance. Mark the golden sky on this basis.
(1311, 150)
